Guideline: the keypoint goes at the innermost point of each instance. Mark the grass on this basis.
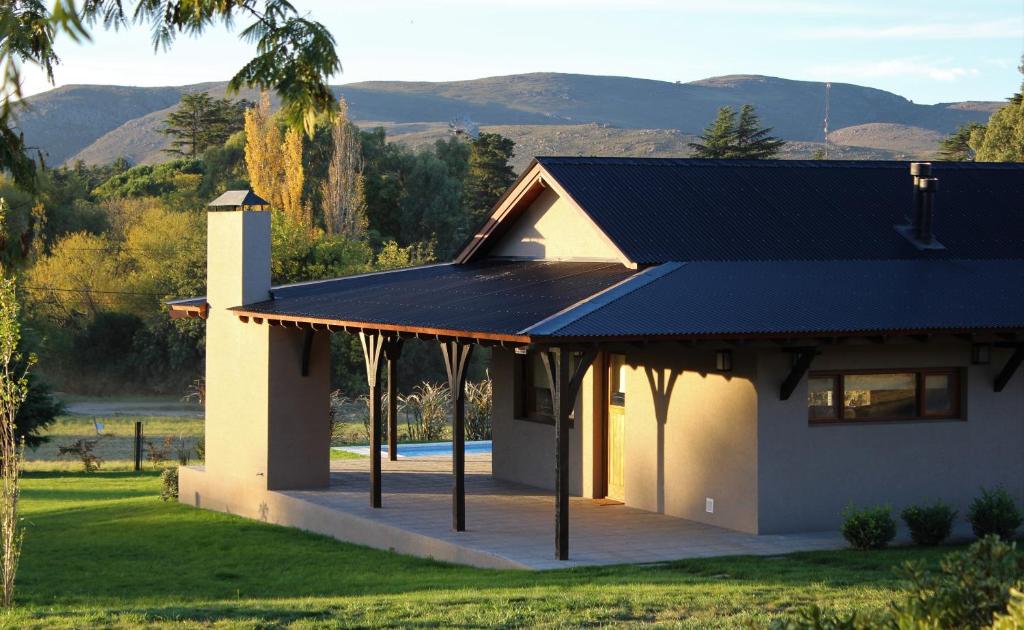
(116, 442)
(102, 550)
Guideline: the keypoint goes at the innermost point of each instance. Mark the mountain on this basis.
(544, 112)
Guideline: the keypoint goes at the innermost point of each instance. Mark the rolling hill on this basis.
(544, 112)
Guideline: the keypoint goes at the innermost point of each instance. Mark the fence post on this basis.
(138, 445)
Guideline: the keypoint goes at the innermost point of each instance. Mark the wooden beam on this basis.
(456, 362)
(1009, 369)
(802, 358)
(392, 351)
(565, 386)
(372, 345)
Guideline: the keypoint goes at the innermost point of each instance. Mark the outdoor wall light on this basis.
(723, 360)
(981, 353)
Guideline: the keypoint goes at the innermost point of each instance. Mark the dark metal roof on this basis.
(236, 198)
(658, 210)
(796, 298)
(497, 297)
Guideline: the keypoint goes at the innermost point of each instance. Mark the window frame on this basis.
(958, 411)
(522, 378)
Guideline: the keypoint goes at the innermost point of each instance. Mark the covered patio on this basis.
(509, 525)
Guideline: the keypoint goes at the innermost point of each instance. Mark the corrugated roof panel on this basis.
(662, 209)
(501, 297)
(814, 297)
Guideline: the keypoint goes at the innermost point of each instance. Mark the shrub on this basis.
(994, 512)
(83, 450)
(929, 524)
(169, 483)
(970, 590)
(478, 409)
(868, 528)
(967, 591)
(159, 453)
(426, 412)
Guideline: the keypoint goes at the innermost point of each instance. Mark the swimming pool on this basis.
(425, 449)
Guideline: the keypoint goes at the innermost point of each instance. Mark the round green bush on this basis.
(868, 528)
(929, 524)
(994, 512)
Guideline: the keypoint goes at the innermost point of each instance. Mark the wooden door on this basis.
(616, 434)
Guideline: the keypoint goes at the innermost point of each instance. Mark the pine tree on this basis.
(717, 140)
(729, 138)
(201, 121)
(956, 147)
(342, 190)
(751, 141)
(489, 174)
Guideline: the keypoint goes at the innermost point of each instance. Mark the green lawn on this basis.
(102, 550)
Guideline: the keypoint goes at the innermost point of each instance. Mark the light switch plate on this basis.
(709, 505)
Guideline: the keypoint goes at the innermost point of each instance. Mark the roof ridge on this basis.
(570, 314)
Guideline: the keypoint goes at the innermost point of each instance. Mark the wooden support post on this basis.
(1009, 369)
(372, 344)
(138, 445)
(565, 386)
(801, 363)
(456, 362)
(392, 350)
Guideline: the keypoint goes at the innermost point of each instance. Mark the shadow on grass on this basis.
(123, 547)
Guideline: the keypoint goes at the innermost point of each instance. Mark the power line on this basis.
(97, 291)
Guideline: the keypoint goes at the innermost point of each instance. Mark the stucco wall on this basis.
(552, 228)
(523, 451)
(807, 474)
(267, 426)
(691, 435)
(695, 438)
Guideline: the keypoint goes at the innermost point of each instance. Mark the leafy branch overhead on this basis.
(295, 56)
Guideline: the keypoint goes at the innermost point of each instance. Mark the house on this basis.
(748, 344)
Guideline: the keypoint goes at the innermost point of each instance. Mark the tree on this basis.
(274, 161)
(727, 138)
(13, 392)
(489, 175)
(1002, 139)
(716, 141)
(752, 141)
(342, 191)
(956, 147)
(295, 55)
(201, 122)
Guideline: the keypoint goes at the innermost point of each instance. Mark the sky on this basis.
(931, 51)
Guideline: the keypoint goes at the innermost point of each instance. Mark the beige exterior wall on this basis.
(808, 474)
(553, 228)
(690, 435)
(267, 426)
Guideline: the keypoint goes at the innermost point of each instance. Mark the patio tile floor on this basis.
(513, 525)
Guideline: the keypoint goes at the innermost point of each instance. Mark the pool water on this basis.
(426, 449)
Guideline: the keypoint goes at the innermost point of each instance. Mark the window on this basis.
(883, 395)
(533, 399)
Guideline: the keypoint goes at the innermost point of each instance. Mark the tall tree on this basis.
(201, 122)
(1002, 139)
(295, 55)
(716, 141)
(745, 138)
(489, 175)
(956, 147)
(751, 141)
(342, 191)
(274, 161)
